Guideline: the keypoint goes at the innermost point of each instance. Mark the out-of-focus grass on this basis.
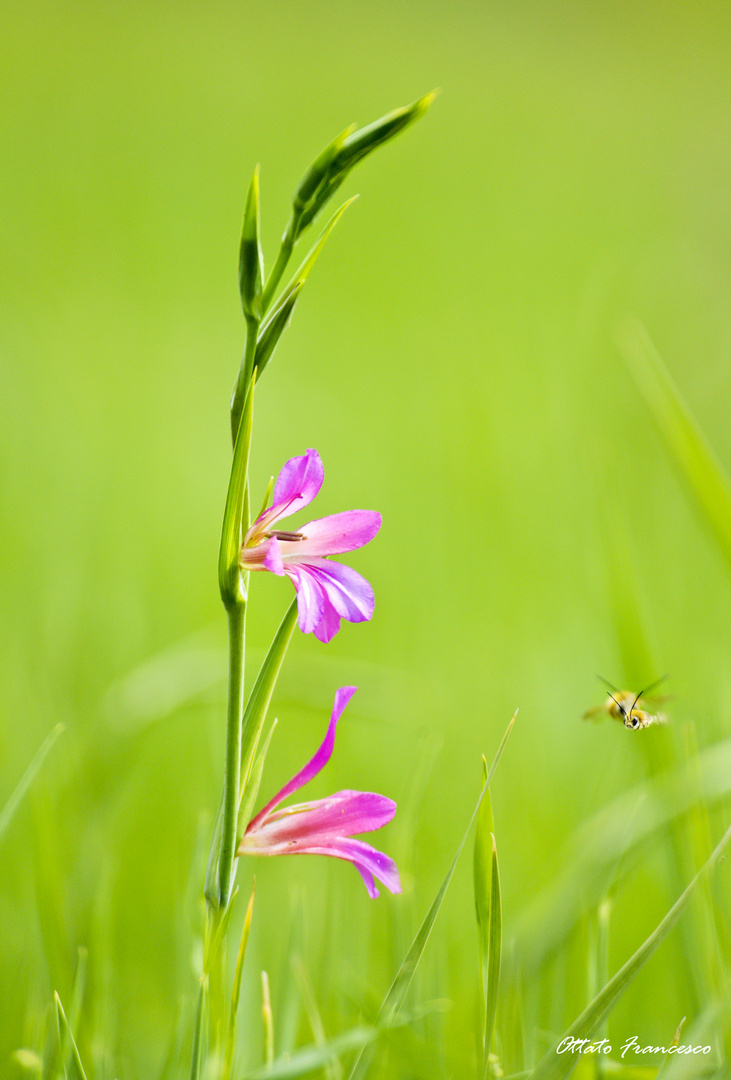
(453, 362)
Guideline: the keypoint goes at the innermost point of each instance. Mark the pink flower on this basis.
(326, 826)
(326, 591)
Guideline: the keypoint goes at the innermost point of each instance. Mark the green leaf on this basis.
(667, 1060)
(482, 874)
(210, 884)
(220, 930)
(229, 575)
(555, 1066)
(8, 811)
(49, 1062)
(494, 957)
(707, 479)
(310, 1058)
(355, 146)
(267, 1019)
(362, 142)
(251, 256)
(397, 991)
(318, 173)
(593, 852)
(333, 1069)
(274, 327)
(326, 174)
(250, 790)
(72, 1067)
(79, 988)
(196, 1062)
(261, 694)
(322, 198)
(236, 991)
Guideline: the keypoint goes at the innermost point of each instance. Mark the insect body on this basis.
(622, 705)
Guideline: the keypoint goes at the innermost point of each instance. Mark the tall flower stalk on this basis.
(326, 592)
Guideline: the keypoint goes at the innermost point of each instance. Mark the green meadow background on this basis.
(454, 360)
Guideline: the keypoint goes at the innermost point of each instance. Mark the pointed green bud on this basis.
(251, 257)
(361, 142)
(318, 171)
(322, 196)
(354, 145)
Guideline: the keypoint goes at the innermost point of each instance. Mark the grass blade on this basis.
(310, 1058)
(196, 1061)
(400, 985)
(79, 989)
(482, 874)
(333, 1069)
(494, 957)
(8, 811)
(72, 1067)
(555, 1066)
(666, 1061)
(236, 992)
(267, 1018)
(706, 477)
(596, 847)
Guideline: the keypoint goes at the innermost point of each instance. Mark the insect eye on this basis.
(635, 722)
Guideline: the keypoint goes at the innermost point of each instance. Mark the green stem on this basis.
(231, 780)
(280, 265)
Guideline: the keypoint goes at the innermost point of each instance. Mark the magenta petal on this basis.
(368, 881)
(272, 558)
(366, 859)
(316, 763)
(329, 624)
(347, 590)
(298, 483)
(336, 533)
(311, 598)
(345, 813)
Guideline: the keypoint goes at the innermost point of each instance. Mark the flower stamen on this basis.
(280, 534)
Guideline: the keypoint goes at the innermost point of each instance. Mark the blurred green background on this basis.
(453, 361)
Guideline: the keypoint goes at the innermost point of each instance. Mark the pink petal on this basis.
(311, 598)
(335, 534)
(328, 625)
(368, 881)
(368, 861)
(272, 557)
(326, 592)
(316, 763)
(345, 813)
(347, 590)
(298, 483)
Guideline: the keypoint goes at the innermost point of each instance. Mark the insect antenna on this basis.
(620, 707)
(648, 688)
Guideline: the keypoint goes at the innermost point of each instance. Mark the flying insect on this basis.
(622, 705)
